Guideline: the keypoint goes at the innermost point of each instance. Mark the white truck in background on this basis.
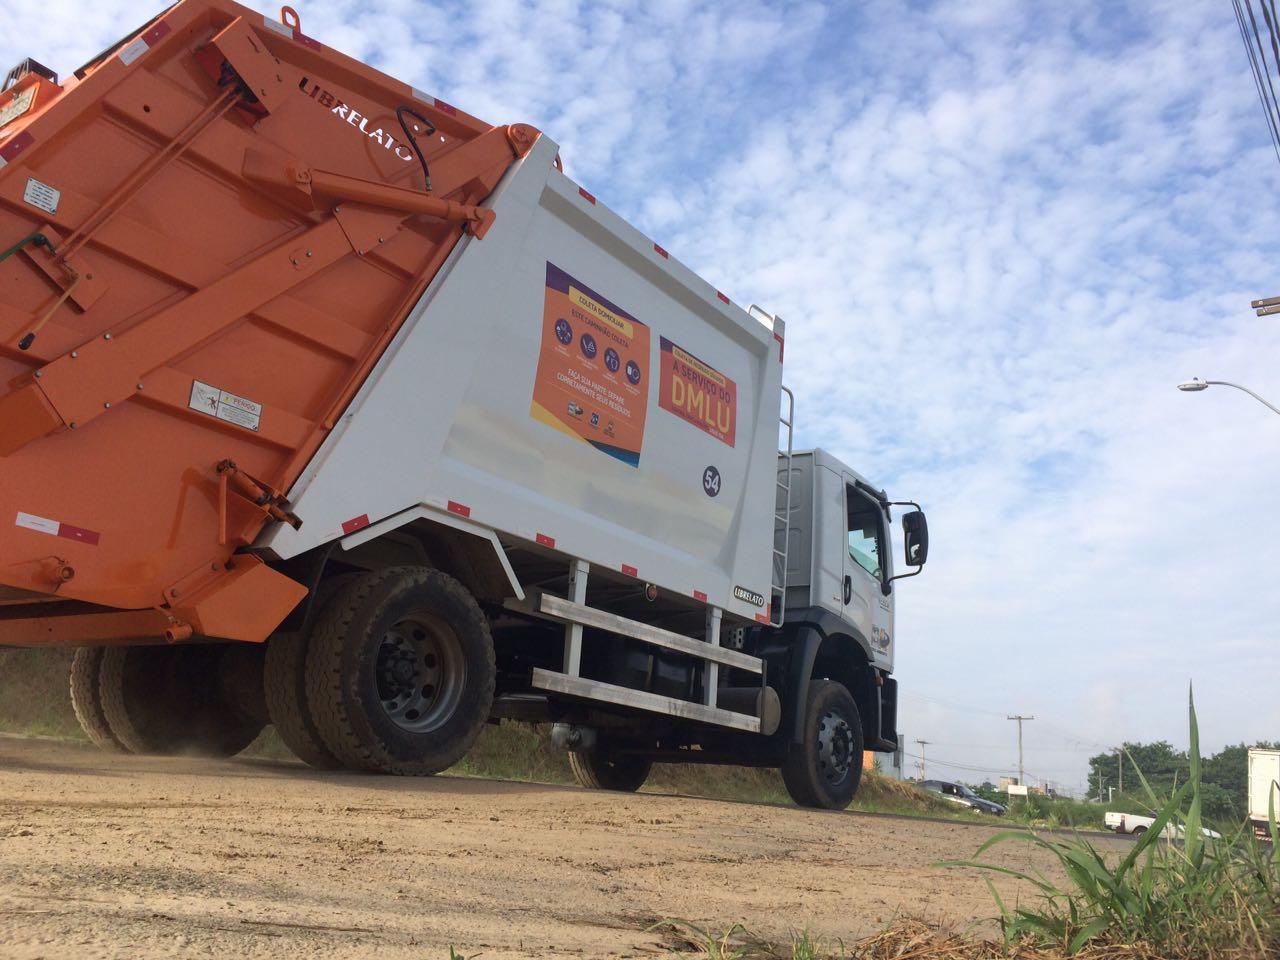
(1135, 824)
(1264, 790)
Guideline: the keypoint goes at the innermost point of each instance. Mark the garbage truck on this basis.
(327, 405)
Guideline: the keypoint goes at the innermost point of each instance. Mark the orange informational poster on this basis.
(698, 393)
(592, 369)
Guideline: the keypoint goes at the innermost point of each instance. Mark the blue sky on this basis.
(1000, 234)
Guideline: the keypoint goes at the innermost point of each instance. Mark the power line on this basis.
(1261, 71)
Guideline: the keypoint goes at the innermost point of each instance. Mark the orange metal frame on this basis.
(238, 213)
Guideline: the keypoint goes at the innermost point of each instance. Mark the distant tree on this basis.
(1224, 775)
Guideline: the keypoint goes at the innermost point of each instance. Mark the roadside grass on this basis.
(902, 940)
(1198, 899)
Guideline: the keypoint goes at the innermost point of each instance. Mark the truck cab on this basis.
(839, 555)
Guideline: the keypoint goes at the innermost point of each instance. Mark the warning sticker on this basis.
(19, 104)
(134, 50)
(225, 405)
(698, 393)
(592, 379)
(41, 195)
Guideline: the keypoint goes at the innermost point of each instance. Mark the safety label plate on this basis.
(225, 405)
(42, 195)
(17, 106)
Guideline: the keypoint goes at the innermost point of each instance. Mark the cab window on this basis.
(864, 532)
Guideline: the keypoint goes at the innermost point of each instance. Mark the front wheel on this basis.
(825, 768)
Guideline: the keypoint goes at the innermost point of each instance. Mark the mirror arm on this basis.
(903, 576)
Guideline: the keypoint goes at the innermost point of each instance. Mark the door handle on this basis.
(848, 588)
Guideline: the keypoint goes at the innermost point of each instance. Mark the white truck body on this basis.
(453, 404)
(1264, 789)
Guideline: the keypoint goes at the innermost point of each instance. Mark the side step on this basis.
(563, 609)
(640, 700)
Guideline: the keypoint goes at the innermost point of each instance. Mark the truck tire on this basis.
(825, 768)
(86, 700)
(400, 672)
(185, 699)
(601, 770)
(285, 687)
(285, 684)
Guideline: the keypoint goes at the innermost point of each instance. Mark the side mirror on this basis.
(915, 538)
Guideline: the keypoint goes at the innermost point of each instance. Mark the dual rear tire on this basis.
(197, 699)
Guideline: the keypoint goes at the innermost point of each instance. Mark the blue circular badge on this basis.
(564, 332)
(588, 345)
(633, 372)
(612, 360)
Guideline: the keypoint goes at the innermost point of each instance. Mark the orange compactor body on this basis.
(217, 208)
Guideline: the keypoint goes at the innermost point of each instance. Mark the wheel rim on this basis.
(835, 747)
(420, 673)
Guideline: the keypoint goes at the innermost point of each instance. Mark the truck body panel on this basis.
(486, 413)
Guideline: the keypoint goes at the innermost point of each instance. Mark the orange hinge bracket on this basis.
(267, 499)
(87, 291)
(239, 54)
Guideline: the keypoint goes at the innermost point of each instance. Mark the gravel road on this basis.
(107, 856)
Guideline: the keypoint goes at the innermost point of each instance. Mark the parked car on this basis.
(960, 794)
(1137, 824)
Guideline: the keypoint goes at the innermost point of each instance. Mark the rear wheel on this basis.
(200, 699)
(86, 699)
(400, 672)
(602, 770)
(825, 769)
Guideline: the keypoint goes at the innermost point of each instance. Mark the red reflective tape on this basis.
(9, 152)
(157, 33)
(722, 297)
(630, 571)
(461, 509)
(781, 346)
(546, 541)
(586, 196)
(355, 523)
(446, 108)
(700, 596)
(662, 253)
(306, 41)
(762, 618)
(80, 534)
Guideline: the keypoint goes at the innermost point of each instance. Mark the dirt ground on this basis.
(104, 856)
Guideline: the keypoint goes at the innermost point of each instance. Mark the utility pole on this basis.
(1020, 719)
(1120, 767)
(923, 744)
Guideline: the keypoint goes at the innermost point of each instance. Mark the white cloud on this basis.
(1000, 234)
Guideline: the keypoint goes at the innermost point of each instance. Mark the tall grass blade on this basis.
(1194, 829)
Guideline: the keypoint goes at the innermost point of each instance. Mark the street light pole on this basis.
(1195, 385)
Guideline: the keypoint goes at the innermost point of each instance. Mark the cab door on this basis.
(866, 570)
